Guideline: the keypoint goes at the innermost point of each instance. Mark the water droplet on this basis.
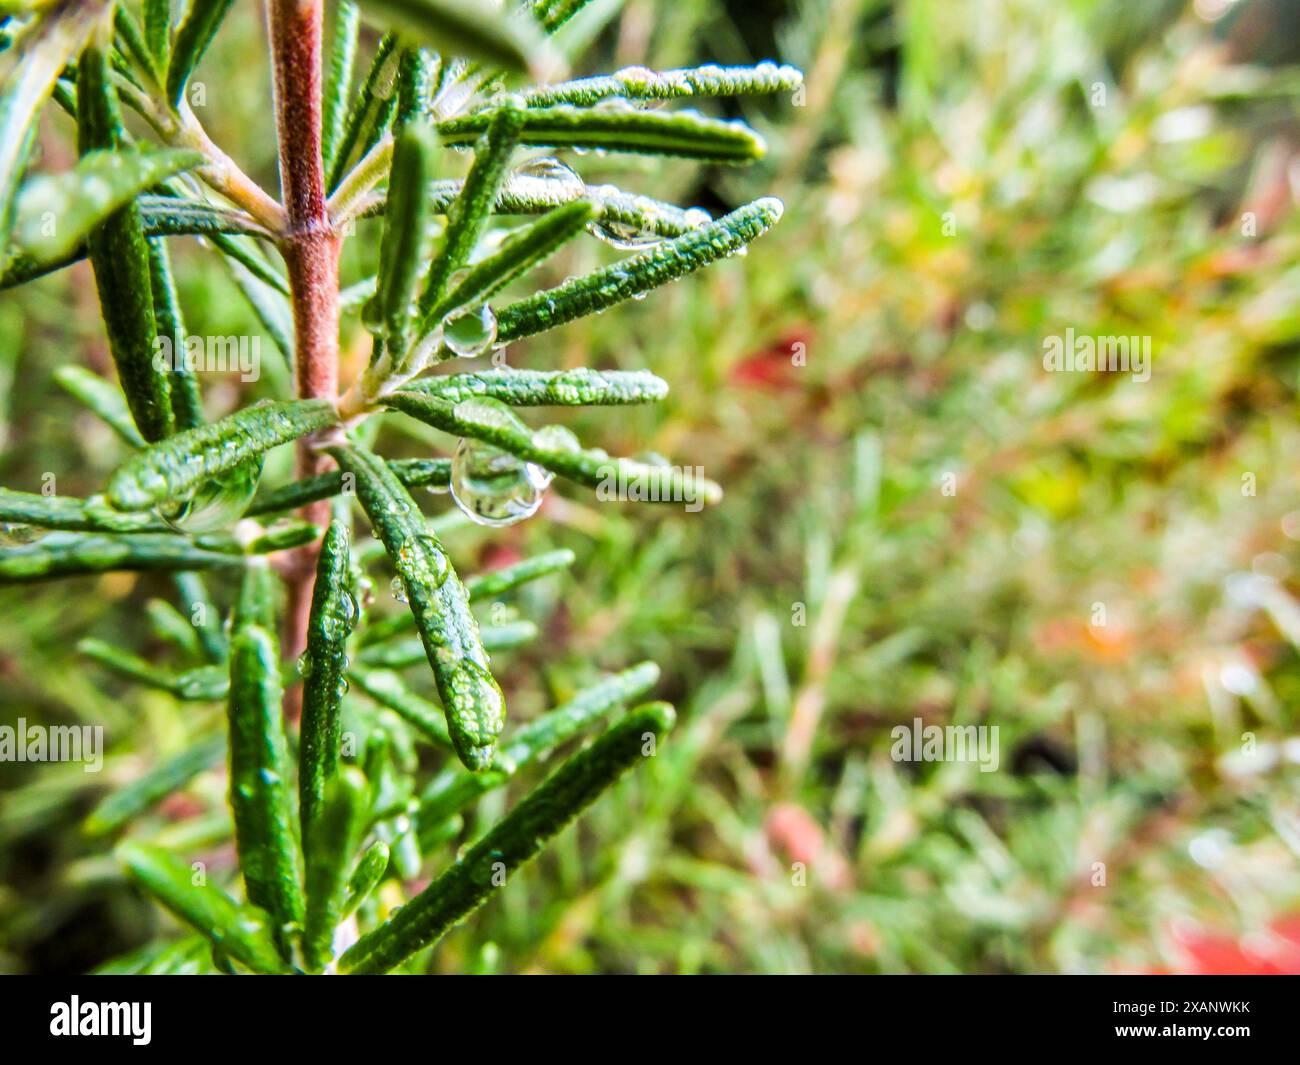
(304, 665)
(469, 333)
(14, 535)
(493, 487)
(217, 503)
(698, 216)
(441, 567)
(398, 588)
(562, 182)
(623, 235)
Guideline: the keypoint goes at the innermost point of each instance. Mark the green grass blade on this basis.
(640, 273)
(239, 931)
(471, 699)
(333, 614)
(172, 469)
(471, 28)
(639, 83)
(260, 769)
(547, 388)
(192, 40)
(150, 788)
(674, 133)
(510, 843)
(451, 790)
(331, 843)
(494, 423)
(120, 258)
(516, 256)
(467, 216)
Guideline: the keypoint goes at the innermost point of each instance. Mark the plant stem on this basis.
(311, 253)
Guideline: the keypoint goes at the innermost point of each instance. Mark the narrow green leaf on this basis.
(203, 684)
(407, 233)
(192, 40)
(639, 83)
(333, 614)
(547, 388)
(675, 133)
(345, 21)
(471, 28)
(467, 216)
(413, 473)
(203, 615)
(56, 212)
(479, 587)
(452, 790)
(151, 787)
(170, 626)
(62, 554)
(630, 277)
(553, 14)
(510, 843)
(471, 698)
(70, 514)
(494, 423)
(120, 258)
(331, 842)
(516, 256)
(176, 467)
(369, 871)
(401, 654)
(415, 82)
(259, 779)
(242, 932)
(187, 404)
(370, 110)
(388, 689)
(158, 31)
(102, 399)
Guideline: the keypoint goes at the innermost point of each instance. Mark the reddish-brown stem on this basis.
(311, 253)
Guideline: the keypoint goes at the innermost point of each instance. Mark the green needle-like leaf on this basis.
(407, 233)
(158, 31)
(452, 790)
(187, 404)
(515, 257)
(152, 787)
(101, 398)
(241, 932)
(370, 110)
(481, 586)
(630, 277)
(553, 14)
(413, 473)
(403, 653)
(471, 698)
(333, 614)
(192, 40)
(494, 423)
(101, 183)
(388, 689)
(120, 258)
(176, 467)
(547, 388)
(205, 683)
(675, 133)
(468, 214)
(639, 83)
(511, 842)
(369, 871)
(331, 842)
(471, 28)
(62, 554)
(260, 796)
(345, 21)
(70, 514)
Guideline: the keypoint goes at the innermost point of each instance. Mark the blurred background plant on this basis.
(920, 521)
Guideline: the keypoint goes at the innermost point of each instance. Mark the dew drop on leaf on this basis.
(469, 333)
(494, 487)
(217, 503)
(398, 588)
(562, 182)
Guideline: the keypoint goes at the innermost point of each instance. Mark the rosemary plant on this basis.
(449, 78)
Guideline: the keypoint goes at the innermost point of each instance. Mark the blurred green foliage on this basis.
(920, 521)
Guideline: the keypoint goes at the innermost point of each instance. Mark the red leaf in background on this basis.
(1275, 953)
(771, 367)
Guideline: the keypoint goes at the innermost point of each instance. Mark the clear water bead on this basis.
(469, 333)
(217, 503)
(561, 181)
(494, 487)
